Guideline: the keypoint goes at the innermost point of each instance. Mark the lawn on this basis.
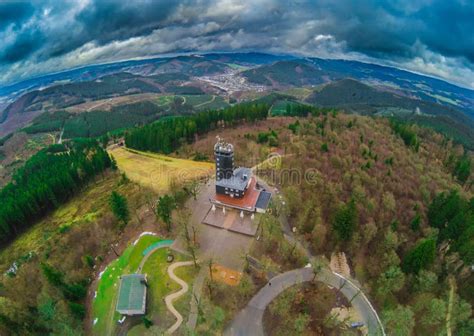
(104, 304)
(160, 285)
(157, 171)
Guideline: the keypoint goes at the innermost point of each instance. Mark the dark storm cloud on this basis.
(25, 44)
(386, 29)
(434, 37)
(14, 12)
(106, 21)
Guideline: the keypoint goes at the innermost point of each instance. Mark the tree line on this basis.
(302, 110)
(167, 134)
(453, 215)
(46, 181)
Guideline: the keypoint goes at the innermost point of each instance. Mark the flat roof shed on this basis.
(262, 201)
(132, 295)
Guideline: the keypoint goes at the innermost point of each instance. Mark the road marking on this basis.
(366, 299)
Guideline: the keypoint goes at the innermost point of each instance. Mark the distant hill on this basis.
(286, 73)
(315, 71)
(58, 97)
(354, 96)
(146, 66)
(244, 76)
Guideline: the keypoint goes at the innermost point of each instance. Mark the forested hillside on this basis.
(47, 180)
(167, 135)
(396, 199)
(357, 97)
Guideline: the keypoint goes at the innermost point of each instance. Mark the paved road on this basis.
(249, 320)
(170, 298)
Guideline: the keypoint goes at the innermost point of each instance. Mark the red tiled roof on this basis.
(246, 202)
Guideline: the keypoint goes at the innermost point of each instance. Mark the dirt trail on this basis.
(339, 264)
(170, 298)
(450, 307)
(206, 102)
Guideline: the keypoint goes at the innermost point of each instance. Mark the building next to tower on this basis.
(236, 187)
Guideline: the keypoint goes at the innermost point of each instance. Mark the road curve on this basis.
(173, 296)
(249, 320)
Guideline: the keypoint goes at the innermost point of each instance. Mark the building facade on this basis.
(230, 181)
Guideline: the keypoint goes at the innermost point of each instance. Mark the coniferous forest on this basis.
(47, 180)
(167, 134)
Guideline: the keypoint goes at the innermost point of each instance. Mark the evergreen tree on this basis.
(119, 206)
(167, 134)
(165, 206)
(462, 170)
(420, 257)
(47, 180)
(345, 221)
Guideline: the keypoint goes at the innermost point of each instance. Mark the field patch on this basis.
(279, 108)
(158, 171)
(83, 209)
(159, 285)
(104, 313)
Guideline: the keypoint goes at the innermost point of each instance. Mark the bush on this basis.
(147, 322)
(77, 310)
(345, 221)
(420, 257)
(324, 148)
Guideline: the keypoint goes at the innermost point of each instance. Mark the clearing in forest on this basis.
(155, 267)
(158, 171)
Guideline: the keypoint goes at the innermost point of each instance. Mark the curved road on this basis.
(170, 298)
(249, 320)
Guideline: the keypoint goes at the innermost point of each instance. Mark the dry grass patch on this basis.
(158, 171)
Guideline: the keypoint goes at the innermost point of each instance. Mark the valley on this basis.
(351, 168)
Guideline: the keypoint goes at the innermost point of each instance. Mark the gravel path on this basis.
(249, 320)
(170, 298)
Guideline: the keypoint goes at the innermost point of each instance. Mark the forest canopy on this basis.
(46, 181)
(167, 134)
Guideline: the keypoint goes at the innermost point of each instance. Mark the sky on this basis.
(428, 37)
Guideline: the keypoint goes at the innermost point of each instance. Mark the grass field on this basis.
(107, 289)
(198, 102)
(157, 171)
(300, 93)
(159, 285)
(164, 100)
(215, 103)
(81, 210)
(279, 108)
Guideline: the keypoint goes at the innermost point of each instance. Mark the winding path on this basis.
(249, 320)
(173, 296)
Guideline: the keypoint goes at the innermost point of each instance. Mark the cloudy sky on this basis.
(430, 37)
